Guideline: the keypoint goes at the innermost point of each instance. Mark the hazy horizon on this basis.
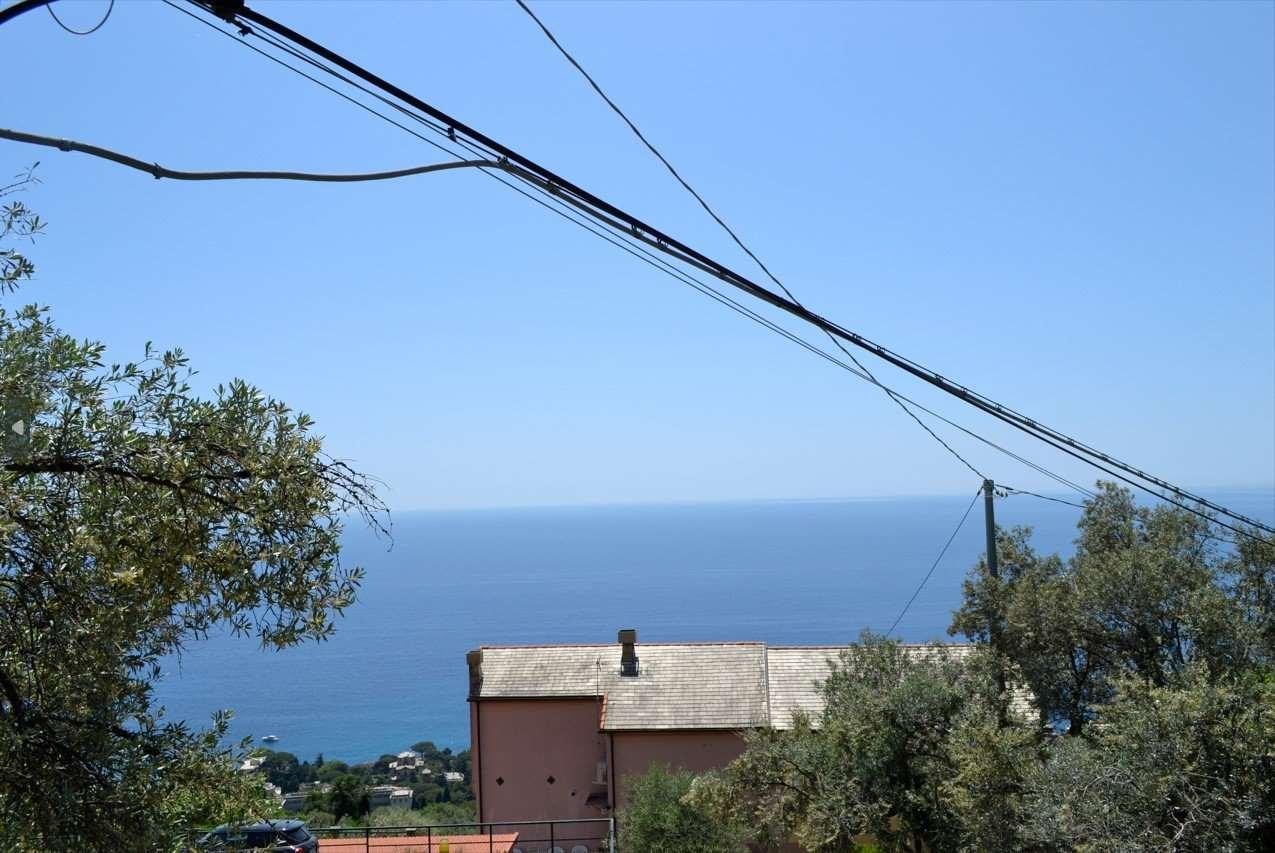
(1141, 497)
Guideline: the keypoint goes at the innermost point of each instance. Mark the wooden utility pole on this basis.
(989, 513)
(993, 569)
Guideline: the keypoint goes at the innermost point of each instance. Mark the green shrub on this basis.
(658, 817)
(394, 816)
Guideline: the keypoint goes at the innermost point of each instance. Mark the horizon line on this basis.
(724, 501)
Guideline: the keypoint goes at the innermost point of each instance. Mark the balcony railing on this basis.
(579, 835)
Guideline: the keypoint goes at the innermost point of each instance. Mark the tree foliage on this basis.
(881, 761)
(660, 816)
(135, 517)
(1188, 767)
(1150, 656)
(348, 797)
(1147, 592)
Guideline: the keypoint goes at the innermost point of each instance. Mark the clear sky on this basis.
(1069, 207)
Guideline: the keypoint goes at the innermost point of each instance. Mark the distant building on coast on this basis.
(295, 801)
(554, 730)
(410, 759)
(252, 763)
(389, 795)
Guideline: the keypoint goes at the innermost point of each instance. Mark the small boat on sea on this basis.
(270, 738)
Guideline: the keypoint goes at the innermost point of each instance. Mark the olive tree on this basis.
(904, 754)
(135, 517)
(1148, 591)
(1150, 649)
(660, 816)
(1182, 768)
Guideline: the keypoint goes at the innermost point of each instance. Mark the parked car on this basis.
(275, 836)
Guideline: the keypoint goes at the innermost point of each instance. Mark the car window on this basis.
(298, 835)
(260, 838)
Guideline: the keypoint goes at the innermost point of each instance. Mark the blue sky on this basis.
(1069, 207)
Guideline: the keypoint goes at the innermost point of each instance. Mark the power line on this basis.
(551, 191)
(1010, 490)
(236, 12)
(620, 238)
(937, 559)
(158, 171)
(109, 8)
(718, 219)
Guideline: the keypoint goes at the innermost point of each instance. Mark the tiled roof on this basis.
(795, 674)
(690, 687)
(679, 685)
(546, 670)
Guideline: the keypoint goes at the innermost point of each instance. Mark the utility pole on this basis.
(993, 569)
(989, 513)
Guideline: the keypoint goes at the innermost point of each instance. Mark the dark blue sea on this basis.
(781, 572)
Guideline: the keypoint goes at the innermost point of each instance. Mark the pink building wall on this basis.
(518, 745)
(632, 753)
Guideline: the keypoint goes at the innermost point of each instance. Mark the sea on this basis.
(783, 572)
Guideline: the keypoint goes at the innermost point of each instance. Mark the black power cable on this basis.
(54, 15)
(937, 560)
(561, 202)
(1010, 490)
(235, 12)
(718, 219)
(8, 13)
(580, 199)
(620, 238)
(157, 171)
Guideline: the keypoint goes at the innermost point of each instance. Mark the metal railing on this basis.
(572, 835)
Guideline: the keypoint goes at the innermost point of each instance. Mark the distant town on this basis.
(420, 785)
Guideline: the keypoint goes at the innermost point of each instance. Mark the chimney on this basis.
(475, 660)
(628, 656)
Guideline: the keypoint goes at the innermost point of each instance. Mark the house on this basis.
(408, 759)
(389, 795)
(555, 730)
(453, 776)
(252, 763)
(295, 801)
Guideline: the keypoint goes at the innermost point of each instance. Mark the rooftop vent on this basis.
(475, 660)
(628, 654)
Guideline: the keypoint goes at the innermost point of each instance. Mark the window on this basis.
(298, 835)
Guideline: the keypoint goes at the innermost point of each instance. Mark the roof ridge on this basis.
(697, 643)
(765, 682)
(848, 645)
(701, 643)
